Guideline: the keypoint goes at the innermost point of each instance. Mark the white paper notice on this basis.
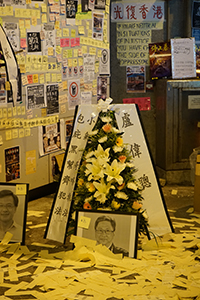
(183, 58)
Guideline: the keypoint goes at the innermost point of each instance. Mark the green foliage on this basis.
(105, 178)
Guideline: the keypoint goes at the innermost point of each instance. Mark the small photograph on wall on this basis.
(12, 163)
(49, 138)
(34, 42)
(13, 210)
(135, 79)
(71, 9)
(160, 60)
(102, 83)
(69, 127)
(56, 166)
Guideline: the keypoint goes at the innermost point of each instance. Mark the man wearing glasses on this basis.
(8, 206)
(105, 232)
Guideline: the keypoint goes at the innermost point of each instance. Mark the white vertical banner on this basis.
(129, 123)
(85, 120)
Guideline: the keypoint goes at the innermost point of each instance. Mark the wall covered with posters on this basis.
(134, 25)
(63, 59)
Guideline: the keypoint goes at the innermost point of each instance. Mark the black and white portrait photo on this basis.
(116, 231)
(13, 208)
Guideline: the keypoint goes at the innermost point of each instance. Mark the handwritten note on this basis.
(183, 58)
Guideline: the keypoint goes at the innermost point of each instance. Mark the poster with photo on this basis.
(71, 9)
(102, 83)
(74, 93)
(56, 165)
(12, 163)
(97, 26)
(135, 79)
(14, 207)
(49, 138)
(35, 97)
(160, 60)
(12, 32)
(69, 127)
(48, 40)
(52, 99)
(34, 41)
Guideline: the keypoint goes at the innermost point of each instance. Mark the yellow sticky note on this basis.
(4, 112)
(21, 133)
(35, 78)
(48, 77)
(44, 18)
(23, 110)
(54, 77)
(65, 31)
(73, 32)
(15, 133)
(19, 112)
(9, 112)
(7, 86)
(44, 8)
(8, 135)
(50, 51)
(41, 78)
(36, 5)
(84, 222)
(34, 21)
(27, 23)
(20, 189)
(7, 237)
(64, 83)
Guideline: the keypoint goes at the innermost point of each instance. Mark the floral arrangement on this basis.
(105, 179)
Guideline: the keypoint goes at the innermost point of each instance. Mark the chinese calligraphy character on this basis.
(58, 210)
(73, 149)
(91, 120)
(157, 12)
(86, 136)
(76, 165)
(126, 120)
(65, 212)
(70, 164)
(72, 180)
(131, 12)
(118, 12)
(144, 181)
(80, 119)
(135, 150)
(69, 197)
(6, 54)
(66, 179)
(143, 9)
(77, 134)
(62, 195)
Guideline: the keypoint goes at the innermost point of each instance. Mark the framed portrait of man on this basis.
(13, 211)
(115, 230)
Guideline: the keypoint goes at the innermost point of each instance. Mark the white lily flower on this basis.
(106, 119)
(94, 170)
(103, 139)
(102, 190)
(114, 170)
(132, 185)
(121, 195)
(117, 149)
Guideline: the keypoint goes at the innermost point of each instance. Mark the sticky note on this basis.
(84, 222)
(21, 189)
